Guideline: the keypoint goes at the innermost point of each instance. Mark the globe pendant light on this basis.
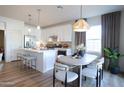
(38, 26)
(80, 25)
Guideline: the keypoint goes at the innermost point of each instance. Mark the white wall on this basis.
(122, 42)
(64, 32)
(34, 32)
(94, 21)
(13, 36)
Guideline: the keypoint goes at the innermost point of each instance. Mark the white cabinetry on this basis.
(45, 58)
(64, 32)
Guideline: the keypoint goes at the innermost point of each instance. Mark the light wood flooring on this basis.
(12, 76)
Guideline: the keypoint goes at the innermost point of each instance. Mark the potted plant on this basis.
(113, 55)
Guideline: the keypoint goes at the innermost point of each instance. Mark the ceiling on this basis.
(50, 14)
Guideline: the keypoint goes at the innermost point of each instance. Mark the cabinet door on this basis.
(64, 32)
(49, 59)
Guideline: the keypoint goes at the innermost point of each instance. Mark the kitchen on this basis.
(36, 38)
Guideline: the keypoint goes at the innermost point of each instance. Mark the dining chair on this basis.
(94, 71)
(99, 63)
(98, 59)
(61, 72)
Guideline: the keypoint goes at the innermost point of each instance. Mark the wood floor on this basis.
(12, 76)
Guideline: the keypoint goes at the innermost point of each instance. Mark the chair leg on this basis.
(79, 76)
(102, 73)
(54, 78)
(97, 81)
(100, 77)
(85, 78)
(53, 82)
(65, 84)
(66, 79)
(35, 65)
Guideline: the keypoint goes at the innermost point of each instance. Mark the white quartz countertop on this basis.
(36, 50)
(86, 59)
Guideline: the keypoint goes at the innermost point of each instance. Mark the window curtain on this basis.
(80, 37)
(110, 33)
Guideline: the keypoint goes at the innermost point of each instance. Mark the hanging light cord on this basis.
(29, 19)
(38, 16)
(81, 12)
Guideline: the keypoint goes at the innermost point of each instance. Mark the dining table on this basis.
(80, 62)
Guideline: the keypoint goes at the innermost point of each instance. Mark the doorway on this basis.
(2, 46)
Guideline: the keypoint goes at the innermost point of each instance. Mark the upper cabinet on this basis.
(63, 32)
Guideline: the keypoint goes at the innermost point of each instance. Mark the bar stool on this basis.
(19, 58)
(30, 62)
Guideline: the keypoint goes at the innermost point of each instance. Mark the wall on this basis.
(94, 21)
(14, 35)
(34, 32)
(1, 38)
(122, 42)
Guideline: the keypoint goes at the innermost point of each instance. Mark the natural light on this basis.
(93, 39)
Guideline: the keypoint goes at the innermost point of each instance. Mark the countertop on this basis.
(36, 50)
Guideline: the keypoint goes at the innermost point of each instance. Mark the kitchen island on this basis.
(45, 59)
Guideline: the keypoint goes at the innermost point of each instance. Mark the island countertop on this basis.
(36, 50)
(45, 58)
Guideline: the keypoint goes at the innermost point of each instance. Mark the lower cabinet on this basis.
(64, 51)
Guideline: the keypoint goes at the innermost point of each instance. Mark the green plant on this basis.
(113, 55)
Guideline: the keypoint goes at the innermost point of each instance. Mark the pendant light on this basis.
(80, 25)
(38, 26)
(29, 19)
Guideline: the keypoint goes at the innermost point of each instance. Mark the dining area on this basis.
(68, 69)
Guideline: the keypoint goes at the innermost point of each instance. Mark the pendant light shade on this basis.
(80, 25)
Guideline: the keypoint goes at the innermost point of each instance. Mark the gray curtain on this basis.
(110, 32)
(80, 37)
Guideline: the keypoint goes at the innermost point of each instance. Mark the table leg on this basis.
(80, 76)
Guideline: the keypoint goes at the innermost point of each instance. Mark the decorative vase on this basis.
(81, 53)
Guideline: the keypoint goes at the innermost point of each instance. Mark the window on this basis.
(93, 39)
